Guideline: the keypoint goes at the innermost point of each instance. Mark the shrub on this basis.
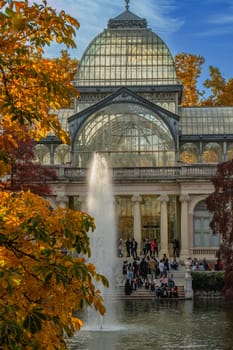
(208, 281)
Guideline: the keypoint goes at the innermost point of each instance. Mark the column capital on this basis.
(137, 198)
(163, 198)
(184, 198)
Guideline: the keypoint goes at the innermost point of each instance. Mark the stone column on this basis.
(62, 201)
(184, 253)
(137, 233)
(224, 151)
(200, 152)
(52, 150)
(163, 224)
(83, 201)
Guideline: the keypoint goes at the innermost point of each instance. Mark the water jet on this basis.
(103, 241)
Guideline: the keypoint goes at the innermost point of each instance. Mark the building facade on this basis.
(162, 155)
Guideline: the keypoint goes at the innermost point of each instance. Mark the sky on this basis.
(201, 27)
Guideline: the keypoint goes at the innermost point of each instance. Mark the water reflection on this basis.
(160, 325)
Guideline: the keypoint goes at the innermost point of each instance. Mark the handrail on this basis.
(202, 171)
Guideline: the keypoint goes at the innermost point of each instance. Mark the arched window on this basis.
(230, 152)
(202, 234)
(189, 153)
(212, 153)
(130, 135)
(42, 154)
(62, 154)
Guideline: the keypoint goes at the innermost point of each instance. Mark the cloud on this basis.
(218, 25)
(159, 14)
(214, 32)
(222, 19)
(93, 17)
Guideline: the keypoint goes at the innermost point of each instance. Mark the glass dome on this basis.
(128, 134)
(127, 53)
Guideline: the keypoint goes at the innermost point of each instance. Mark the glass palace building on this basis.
(162, 155)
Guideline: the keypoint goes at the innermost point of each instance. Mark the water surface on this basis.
(158, 325)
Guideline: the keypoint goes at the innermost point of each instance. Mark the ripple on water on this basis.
(144, 326)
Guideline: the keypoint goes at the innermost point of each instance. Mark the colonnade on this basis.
(184, 199)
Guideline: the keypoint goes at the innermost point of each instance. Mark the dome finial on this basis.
(127, 5)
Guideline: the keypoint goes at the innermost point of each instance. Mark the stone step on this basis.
(144, 294)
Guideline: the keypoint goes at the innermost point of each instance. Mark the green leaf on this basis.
(2, 238)
(33, 322)
(9, 12)
(68, 331)
(48, 277)
(26, 322)
(103, 279)
(56, 320)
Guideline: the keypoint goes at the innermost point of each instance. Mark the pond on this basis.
(161, 324)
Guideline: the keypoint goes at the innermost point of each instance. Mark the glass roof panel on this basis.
(126, 57)
(206, 120)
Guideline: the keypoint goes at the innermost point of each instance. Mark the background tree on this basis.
(40, 285)
(188, 69)
(25, 173)
(221, 90)
(220, 203)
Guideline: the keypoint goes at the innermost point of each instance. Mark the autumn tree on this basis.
(25, 173)
(32, 86)
(221, 89)
(220, 204)
(188, 70)
(40, 285)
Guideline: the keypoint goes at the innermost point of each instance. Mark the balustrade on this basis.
(142, 174)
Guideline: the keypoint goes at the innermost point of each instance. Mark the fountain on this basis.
(103, 240)
(143, 324)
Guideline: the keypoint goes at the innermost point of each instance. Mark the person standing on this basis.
(134, 246)
(147, 247)
(130, 274)
(156, 247)
(176, 247)
(144, 247)
(144, 269)
(152, 248)
(152, 267)
(128, 247)
(161, 267)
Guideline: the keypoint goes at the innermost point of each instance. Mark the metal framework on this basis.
(127, 53)
(133, 135)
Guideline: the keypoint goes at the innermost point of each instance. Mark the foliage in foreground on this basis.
(41, 285)
(32, 87)
(220, 204)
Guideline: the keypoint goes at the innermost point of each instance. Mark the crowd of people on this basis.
(203, 265)
(150, 247)
(150, 273)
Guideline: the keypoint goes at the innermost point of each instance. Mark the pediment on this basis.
(123, 95)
